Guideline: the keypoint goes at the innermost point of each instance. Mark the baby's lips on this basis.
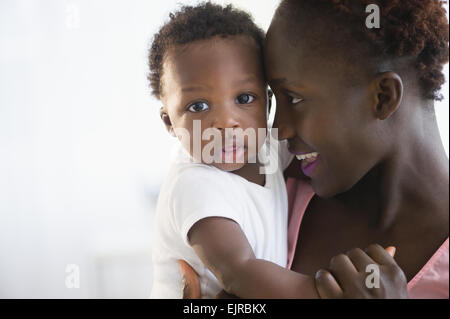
(229, 148)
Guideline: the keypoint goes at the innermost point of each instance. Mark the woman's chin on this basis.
(329, 188)
(324, 189)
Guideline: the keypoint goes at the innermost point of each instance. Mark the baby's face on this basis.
(219, 84)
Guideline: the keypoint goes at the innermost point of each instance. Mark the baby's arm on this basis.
(224, 249)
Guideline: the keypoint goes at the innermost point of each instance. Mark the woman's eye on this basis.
(295, 100)
(245, 99)
(198, 107)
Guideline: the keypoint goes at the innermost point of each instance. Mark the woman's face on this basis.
(321, 108)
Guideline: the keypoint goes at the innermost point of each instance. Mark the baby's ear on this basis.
(166, 120)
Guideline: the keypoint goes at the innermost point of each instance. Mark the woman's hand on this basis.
(369, 274)
(191, 283)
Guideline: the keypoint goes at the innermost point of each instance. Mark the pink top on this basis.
(432, 281)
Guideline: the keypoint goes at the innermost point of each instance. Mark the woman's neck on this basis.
(411, 183)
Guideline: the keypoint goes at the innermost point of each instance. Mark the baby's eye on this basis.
(245, 99)
(198, 107)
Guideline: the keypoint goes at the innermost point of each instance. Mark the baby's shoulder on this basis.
(197, 178)
(192, 172)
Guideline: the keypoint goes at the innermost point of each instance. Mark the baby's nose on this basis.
(224, 118)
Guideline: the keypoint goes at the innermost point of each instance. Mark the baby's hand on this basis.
(370, 274)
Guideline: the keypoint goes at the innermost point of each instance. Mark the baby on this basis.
(223, 207)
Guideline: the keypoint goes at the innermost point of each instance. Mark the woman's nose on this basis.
(284, 123)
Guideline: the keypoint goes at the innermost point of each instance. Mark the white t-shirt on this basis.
(193, 191)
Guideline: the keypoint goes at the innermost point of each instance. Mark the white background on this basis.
(82, 149)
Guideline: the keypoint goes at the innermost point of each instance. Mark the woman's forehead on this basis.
(285, 60)
(299, 55)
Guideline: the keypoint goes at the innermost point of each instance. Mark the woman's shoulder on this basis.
(432, 281)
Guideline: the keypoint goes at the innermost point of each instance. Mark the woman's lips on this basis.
(309, 162)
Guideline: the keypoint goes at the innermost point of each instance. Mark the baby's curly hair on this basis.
(413, 28)
(201, 22)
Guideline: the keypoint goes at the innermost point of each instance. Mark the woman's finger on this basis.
(190, 281)
(360, 259)
(343, 271)
(380, 255)
(391, 250)
(327, 286)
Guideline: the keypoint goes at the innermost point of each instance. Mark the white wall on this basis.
(82, 149)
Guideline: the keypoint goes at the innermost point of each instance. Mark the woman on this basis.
(363, 100)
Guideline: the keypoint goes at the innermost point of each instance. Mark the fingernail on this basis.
(319, 273)
(391, 250)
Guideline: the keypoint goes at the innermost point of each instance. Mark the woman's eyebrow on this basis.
(277, 81)
(284, 81)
